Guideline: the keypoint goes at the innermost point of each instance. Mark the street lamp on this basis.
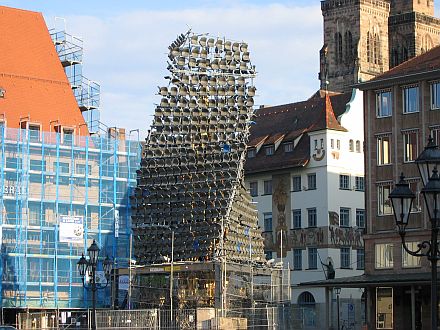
(89, 267)
(337, 292)
(402, 198)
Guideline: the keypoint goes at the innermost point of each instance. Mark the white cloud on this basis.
(127, 53)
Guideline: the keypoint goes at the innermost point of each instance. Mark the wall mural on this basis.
(321, 237)
(281, 203)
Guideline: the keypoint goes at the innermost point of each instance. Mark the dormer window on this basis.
(66, 133)
(288, 147)
(269, 150)
(251, 153)
(34, 130)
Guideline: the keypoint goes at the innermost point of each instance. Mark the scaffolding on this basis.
(45, 179)
(86, 91)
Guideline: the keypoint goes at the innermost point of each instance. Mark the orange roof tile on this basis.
(32, 75)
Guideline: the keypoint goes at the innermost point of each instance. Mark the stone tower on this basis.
(363, 38)
(413, 29)
(355, 42)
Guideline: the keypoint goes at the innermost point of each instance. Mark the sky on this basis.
(126, 43)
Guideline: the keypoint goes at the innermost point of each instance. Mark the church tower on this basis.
(364, 38)
(413, 29)
(355, 42)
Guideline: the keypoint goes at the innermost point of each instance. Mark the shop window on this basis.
(384, 308)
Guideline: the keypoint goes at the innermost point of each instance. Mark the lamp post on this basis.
(89, 267)
(402, 198)
(338, 292)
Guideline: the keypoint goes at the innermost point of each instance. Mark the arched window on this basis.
(338, 48)
(306, 302)
(348, 47)
(376, 49)
(426, 43)
(368, 47)
(394, 57)
(306, 299)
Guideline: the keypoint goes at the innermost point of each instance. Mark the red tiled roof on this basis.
(31, 74)
(428, 61)
(293, 121)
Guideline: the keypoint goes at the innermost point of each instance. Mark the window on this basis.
(307, 302)
(63, 167)
(332, 143)
(410, 146)
(267, 221)
(338, 144)
(296, 219)
(37, 165)
(67, 136)
(288, 147)
(358, 146)
(350, 146)
(360, 259)
(344, 181)
(34, 214)
(384, 203)
(383, 150)
(348, 47)
(269, 150)
(360, 218)
(297, 259)
(338, 48)
(345, 257)
(415, 188)
(81, 169)
(435, 134)
(359, 183)
(383, 104)
(311, 181)
(34, 133)
(311, 217)
(267, 187)
(384, 256)
(296, 183)
(410, 99)
(316, 144)
(313, 258)
(435, 96)
(253, 188)
(251, 153)
(409, 261)
(344, 217)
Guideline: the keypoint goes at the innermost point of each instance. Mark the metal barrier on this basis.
(273, 318)
(128, 319)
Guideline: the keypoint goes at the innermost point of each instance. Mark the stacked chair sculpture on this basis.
(191, 177)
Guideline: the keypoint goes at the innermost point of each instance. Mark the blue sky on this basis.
(125, 45)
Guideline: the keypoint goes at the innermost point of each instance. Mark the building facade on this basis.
(60, 187)
(305, 170)
(401, 112)
(364, 38)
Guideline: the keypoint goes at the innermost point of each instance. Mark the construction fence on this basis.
(269, 317)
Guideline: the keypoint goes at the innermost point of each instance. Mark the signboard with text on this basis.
(71, 229)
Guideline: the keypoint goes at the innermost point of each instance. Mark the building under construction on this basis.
(196, 237)
(61, 188)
